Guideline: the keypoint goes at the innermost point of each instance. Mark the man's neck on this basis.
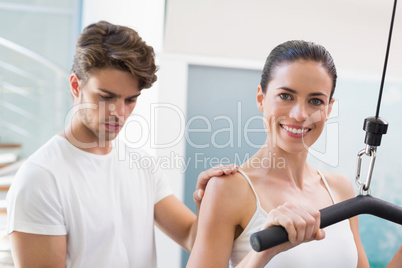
(92, 144)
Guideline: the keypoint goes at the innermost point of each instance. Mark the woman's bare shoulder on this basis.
(231, 185)
(230, 195)
(340, 185)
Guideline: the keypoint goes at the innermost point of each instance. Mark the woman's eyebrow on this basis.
(310, 94)
(318, 94)
(288, 89)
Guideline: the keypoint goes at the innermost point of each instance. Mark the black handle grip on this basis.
(367, 204)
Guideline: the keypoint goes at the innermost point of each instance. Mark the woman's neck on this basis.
(273, 162)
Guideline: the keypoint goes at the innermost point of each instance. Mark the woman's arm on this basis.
(362, 261)
(225, 203)
(343, 190)
(230, 204)
(354, 225)
(396, 260)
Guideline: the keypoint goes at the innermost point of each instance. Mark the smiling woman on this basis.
(299, 97)
(295, 97)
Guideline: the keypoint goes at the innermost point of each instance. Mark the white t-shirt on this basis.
(103, 203)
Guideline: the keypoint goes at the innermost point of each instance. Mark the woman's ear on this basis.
(260, 99)
(75, 85)
(331, 103)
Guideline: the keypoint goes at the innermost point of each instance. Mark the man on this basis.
(79, 201)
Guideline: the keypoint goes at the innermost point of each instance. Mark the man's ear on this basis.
(260, 99)
(75, 85)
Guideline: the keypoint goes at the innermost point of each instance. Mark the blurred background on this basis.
(202, 110)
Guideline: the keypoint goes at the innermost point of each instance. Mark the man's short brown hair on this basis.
(104, 45)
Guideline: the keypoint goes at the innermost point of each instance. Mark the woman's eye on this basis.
(316, 102)
(284, 96)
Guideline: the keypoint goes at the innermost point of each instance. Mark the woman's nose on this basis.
(299, 112)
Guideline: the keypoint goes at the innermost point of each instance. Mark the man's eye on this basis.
(105, 97)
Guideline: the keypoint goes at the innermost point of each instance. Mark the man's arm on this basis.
(32, 250)
(178, 221)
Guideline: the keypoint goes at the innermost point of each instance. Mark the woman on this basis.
(295, 96)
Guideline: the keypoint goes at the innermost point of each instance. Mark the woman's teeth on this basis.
(296, 130)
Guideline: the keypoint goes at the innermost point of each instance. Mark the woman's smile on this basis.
(295, 131)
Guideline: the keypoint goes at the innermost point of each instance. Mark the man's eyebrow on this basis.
(134, 96)
(295, 92)
(112, 94)
(109, 92)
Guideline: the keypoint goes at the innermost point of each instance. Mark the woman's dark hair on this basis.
(298, 50)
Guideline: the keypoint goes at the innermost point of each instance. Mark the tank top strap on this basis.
(251, 185)
(327, 186)
(319, 172)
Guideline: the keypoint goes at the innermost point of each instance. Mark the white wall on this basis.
(355, 32)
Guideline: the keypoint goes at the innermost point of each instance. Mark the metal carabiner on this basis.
(371, 152)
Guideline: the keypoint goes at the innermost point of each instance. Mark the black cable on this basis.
(386, 60)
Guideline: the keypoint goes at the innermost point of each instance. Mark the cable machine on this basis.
(364, 203)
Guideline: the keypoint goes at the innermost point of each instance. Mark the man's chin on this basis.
(108, 137)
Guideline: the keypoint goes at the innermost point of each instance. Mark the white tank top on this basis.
(338, 249)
